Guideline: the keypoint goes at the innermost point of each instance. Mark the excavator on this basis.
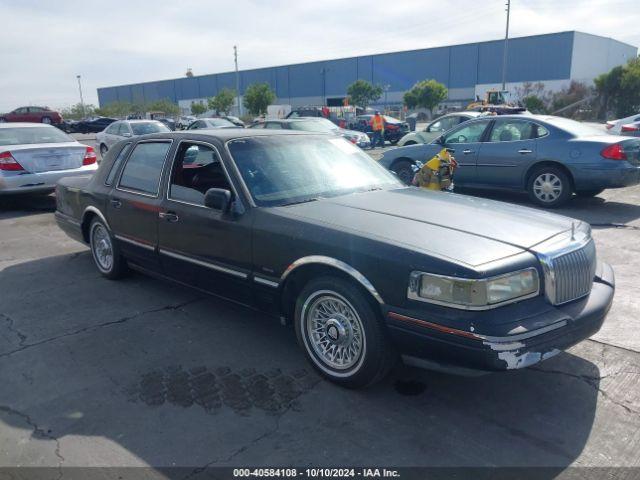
(495, 102)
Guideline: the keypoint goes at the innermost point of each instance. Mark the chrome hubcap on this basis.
(334, 330)
(102, 249)
(547, 187)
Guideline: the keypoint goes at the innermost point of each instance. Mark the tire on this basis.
(105, 252)
(589, 193)
(403, 170)
(549, 187)
(103, 150)
(46, 120)
(344, 321)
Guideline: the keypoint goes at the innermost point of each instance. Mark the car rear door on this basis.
(509, 149)
(198, 245)
(134, 204)
(464, 143)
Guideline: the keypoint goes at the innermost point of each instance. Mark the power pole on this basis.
(81, 99)
(235, 59)
(506, 45)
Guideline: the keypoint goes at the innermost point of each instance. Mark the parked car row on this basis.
(315, 124)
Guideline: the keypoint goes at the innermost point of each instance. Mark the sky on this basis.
(45, 44)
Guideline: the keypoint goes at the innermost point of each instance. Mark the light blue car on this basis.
(550, 158)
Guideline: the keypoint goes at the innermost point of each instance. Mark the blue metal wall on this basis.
(541, 57)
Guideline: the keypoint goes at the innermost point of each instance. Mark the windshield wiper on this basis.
(300, 201)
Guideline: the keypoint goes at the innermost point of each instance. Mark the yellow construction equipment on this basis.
(495, 102)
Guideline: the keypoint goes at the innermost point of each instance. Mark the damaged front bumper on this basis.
(506, 338)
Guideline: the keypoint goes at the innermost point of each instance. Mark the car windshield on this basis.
(32, 135)
(320, 125)
(576, 129)
(288, 169)
(219, 122)
(148, 127)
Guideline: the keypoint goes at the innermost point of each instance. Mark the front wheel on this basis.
(341, 333)
(106, 254)
(549, 187)
(403, 169)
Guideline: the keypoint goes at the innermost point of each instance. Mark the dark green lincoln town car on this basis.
(368, 270)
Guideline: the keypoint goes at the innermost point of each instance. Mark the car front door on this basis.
(134, 205)
(19, 115)
(464, 143)
(201, 246)
(509, 149)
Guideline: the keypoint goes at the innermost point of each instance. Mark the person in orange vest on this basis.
(377, 125)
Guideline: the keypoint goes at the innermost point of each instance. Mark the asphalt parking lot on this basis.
(142, 372)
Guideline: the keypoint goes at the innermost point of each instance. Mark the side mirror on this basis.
(218, 199)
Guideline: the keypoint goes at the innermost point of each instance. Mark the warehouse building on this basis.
(467, 70)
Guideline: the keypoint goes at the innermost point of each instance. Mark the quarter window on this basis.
(116, 164)
(197, 168)
(123, 129)
(143, 169)
(113, 129)
(443, 124)
(471, 133)
(512, 131)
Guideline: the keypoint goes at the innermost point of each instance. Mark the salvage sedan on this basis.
(550, 158)
(33, 157)
(308, 227)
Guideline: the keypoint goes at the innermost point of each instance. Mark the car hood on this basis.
(465, 229)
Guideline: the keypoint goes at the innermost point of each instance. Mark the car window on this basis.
(219, 122)
(197, 168)
(443, 124)
(116, 164)
(123, 129)
(21, 110)
(148, 127)
(542, 131)
(273, 126)
(113, 128)
(196, 125)
(512, 131)
(143, 169)
(35, 109)
(470, 133)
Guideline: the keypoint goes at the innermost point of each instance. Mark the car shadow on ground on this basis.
(15, 206)
(144, 371)
(597, 211)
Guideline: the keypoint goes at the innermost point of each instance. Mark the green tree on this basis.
(78, 112)
(426, 94)
(619, 90)
(258, 97)
(164, 105)
(534, 104)
(115, 109)
(223, 101)
(362, 93)
(198, 108)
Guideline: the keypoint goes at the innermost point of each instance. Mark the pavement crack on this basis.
(12, 328)
(37, 432)
(25, 346)
(615, 225)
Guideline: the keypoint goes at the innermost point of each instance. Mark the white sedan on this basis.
(615, 126)
(34, 156)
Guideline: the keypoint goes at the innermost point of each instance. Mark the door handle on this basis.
(116, 203)
(168, 216)
(524, 151)
(467, 151)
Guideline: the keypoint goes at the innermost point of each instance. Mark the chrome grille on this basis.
(573, 274)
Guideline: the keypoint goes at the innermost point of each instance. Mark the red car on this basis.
(32, 114)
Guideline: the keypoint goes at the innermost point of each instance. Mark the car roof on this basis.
(141, 121)
(224, 134)
(24, 125)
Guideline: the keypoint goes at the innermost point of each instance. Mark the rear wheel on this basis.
(403, 170)
(46, 120)
(106, 254)
(341, 333)
(549, 187)
(589, 193)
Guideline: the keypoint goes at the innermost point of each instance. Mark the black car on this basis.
(308, 227)
(94, 125)
(394, 129)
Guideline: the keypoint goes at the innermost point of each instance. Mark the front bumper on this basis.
(530, 336)
(25, 182)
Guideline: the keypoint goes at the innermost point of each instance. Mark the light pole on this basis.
(81, 99)
(386, 89)
(235, 59)
(506, 45)
(323, 72)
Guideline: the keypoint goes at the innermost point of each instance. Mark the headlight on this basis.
(474, 294)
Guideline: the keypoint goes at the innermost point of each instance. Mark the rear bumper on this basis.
(515, 343)
(39, 182)
(595, 178)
